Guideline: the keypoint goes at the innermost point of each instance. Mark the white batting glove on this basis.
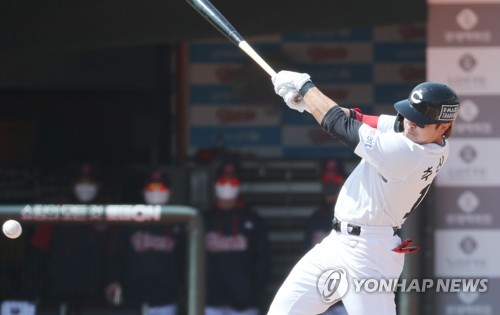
(293, 99)
(289, 79)
(287, 85)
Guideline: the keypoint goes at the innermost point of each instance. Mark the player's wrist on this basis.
(306, 87)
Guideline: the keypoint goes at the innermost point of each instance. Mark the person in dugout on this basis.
(65, 260)
(146, 261)
(319, 224)
(237, 250)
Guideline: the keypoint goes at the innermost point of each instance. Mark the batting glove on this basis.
(289, 79)
(287, 85)
(293, 99)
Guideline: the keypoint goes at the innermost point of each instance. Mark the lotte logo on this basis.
(467, 62)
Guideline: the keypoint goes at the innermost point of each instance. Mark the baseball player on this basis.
(401, 155)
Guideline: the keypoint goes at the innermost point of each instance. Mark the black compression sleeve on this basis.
(341, 127)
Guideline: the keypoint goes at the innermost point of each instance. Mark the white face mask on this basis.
(85, 192)
(156, 197)
(227, 191)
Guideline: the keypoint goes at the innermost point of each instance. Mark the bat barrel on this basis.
(212, 15)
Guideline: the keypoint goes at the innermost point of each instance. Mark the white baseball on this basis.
(12, 229)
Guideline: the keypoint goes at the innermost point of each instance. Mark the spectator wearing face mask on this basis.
(146, 261)
(86, 187)
(237, 250)
(66, 259)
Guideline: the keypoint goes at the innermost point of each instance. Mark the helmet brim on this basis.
(406, 110)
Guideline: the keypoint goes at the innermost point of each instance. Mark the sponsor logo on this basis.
(468, 309)
(465, 170)
(468, 245)
(62, 212)
(467, 20)
(466, 259)
(139, 213)
(465, 265)
(469, 112)
(448, 112)
(468, 202)
(467, 62)
(468, 154)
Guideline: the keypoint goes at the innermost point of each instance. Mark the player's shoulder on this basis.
(386, 122)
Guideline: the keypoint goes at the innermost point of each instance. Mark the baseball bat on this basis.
(214, 17)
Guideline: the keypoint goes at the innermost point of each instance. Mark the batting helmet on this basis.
(429, 103)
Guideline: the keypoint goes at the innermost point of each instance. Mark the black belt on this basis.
(352, 229)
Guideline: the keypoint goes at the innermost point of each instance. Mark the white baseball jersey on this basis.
(392, 178)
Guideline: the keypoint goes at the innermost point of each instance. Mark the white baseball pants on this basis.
(367, 256)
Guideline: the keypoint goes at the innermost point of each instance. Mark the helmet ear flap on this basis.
(398, 124)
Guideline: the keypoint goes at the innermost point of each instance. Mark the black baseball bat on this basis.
(214, 17)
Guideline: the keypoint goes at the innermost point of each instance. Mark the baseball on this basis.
(12, 229)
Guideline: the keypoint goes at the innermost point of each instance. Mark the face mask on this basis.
(85, 192)
(156, 197)
(226, 191)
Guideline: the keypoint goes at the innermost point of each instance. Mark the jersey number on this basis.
(423, 192)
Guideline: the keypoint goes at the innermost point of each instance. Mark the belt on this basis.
(352, 229)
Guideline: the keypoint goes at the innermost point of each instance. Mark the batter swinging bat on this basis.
(212, 15)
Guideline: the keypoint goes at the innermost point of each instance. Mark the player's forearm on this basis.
(318, 103)
(331, 117)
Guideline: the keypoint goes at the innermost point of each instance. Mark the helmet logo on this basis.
(448, 112)
(416, 97)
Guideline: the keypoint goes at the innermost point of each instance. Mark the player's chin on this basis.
(408, 133)
(411, 135)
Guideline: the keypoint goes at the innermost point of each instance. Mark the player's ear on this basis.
(444, 129)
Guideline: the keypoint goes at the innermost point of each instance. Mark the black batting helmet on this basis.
(429, 103)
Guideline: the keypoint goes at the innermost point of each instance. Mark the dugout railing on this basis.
(127, 214)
